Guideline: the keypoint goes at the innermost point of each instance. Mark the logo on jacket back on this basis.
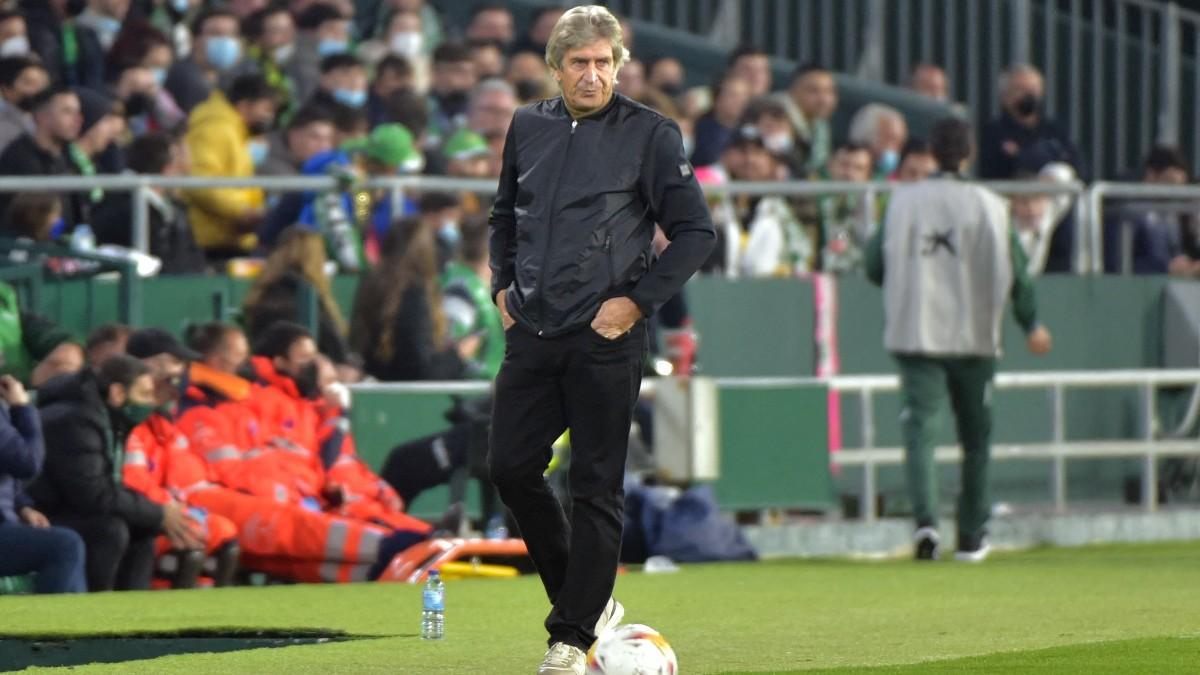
(939, 240)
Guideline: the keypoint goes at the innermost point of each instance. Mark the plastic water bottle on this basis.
(433, 608)
(82, 238)
(496, 529)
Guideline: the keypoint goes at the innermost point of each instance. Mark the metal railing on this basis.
(1149, 448)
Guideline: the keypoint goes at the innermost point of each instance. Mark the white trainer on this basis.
(563, 659)
(610, 618)
(975, 556)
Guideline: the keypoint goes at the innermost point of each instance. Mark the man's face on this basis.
(891, 134)
(493, 24)
(489, 61)
(259, 113)
(301, 355)
(117, 9)
(278, 30)
(220, 26)
(349, 79)
(667, 75)
(1028, 210)
(931, 81)
(1168, 176)
(851, 165)
(158, 57)
(586, 76)
(14, 27)
(389, 81)
(917, 166)
(757, 163)
(139, 392)
(453, 76)
(491, 113)
(526, 66)
(1022, 85)
(30, 82)
(632, 81)
(755, 70)
(816, 94)
(337, 31)
(166, 371)
(471, 167)
(61, 118)
(730, 105)
(540, 31)
(103, 351)
(245, 8)
(104, 132)
(231, 355)
(310, 139)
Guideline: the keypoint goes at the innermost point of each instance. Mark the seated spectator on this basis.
(14, 34)
(34, 349)
(216, 51)
(467, 298)
(1154, 237)
(398, 324)
(54, 555)
(411, 111)
(776, 243)
(929, 80)
(489, 58)
(104, 342)
(298, 259)
(883, 131)
(843, 228)
(323, 31)
(22, 78)
(86, 418)
(308, 133)
(103, 123)
(33, 216)
(811, 99)
(221, 346)
(1023, 137)
(715, 128)
(454, 77)
(440, 213)
(220, 136)
(1035, 217)
(665, 74)
(170, 234)
(79, 66)
(270, 35)
(770, 120)
(402, 38)
(530, 77)
(138, 65)
(631, 81)
(492, 21)
(104, 17)
(468, 156)
(541, 24)
(916, 161)
(45, 151)
(343, 83)
(393, 75)
(751, 65)
(493, 103)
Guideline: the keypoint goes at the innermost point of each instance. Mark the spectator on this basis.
(399, 325)
(1149, 238)
(489, 58)
(450, 91)
(1035, 218)
(467, 156)
(105, 342)
(343, 83)
(270, 46)
(104, 17)
(54, 555)
(883, 130)
(753, 66)
(541, 24)
(811, 100)
(632, 79)
(220, 135)
(491, 109)
(467, 298)
(350, 124)
(222, 346)
(666, 74)
(22, 78)
(324, 31)
(393, 75)
(1023, 137)
(34, 216)
(215, 54)
(138, 64)
(770, 120)
(103, 123)
(843, 227)
(14, 34)
(44, 151)
(529, 76)
(86, 418)
(34, 349)
(776, 243)
(440, 213)
(309, 132)
(916, 162)
(298, 259)
(929, 80)
(411, 111)
(713, 131)
(492, 21)
(170, 234)
(50, 22)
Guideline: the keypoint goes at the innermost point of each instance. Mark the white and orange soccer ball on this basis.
(632, 649)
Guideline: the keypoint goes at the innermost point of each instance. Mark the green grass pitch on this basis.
(1113, 609)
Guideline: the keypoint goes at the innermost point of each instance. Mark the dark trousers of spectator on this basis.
(925, 381)
(588, 384)
(54, 555)
(118, 557)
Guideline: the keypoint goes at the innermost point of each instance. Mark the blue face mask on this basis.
(160, 75)
(259, 151)
(354, 98)
(889, 161)
(181, 6)
(223, 52)
(331, 47)
(108, 25)
(449, 234)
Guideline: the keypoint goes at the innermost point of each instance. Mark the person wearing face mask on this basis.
(104, 17)
(394, 74)
(71, 52)
(453, 79)
(14, 34)
(1023, 137)
(665, 73)
(21, 79)
(227, 137)
(86, 419)
(769, 118)
(884, 131)
(270, 45)
(213, 61)
(138, 65)
(323, 31)
(343, 83)
(492, 21)
(528, 74)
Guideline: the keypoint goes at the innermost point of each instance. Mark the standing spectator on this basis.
(1147, 238)
(916, 161)
(398, 324)
(489, 58)
(104, 17)
(44, 152)
(309, 132)
(492, 21)
(170, 235)
(22, 78)
(220, 134)
(55, 555)
(216, 52)
(713, 131)
(450, 91)
(324, 31)
(1023, 137)
(929, 80)
(666, 74)
(958, 234)
(528, 75)
(85, 419)
(71, 52)
(883, 130)
(753, 66)
(811, 99)
(393, 75)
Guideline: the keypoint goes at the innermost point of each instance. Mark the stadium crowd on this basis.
(235, 447)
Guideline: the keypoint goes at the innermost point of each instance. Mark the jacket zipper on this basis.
(550, 234)
(612, 272)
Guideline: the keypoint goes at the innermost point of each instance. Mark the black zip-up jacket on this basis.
(575, 210)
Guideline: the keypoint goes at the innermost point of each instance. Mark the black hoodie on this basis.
(84, 456)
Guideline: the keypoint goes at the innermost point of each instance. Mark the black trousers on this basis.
(588, 384)
(119, 557)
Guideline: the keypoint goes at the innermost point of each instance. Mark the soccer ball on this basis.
(632, 649)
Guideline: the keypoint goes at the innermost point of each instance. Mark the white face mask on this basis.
(17, 45)
(406, 44)
(779, 144)
(283, 53)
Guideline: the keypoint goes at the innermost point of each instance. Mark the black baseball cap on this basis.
(149, 342)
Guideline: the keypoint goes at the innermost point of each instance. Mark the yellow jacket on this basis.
(217, 138)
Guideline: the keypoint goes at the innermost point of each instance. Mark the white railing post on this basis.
(1150, 460)
(1171, 77)
(141, 219)
(867, 498)
(1058, 472)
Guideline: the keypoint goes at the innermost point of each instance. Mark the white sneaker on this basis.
(610, 618)
(926, 544)
(976, 556)
(563, 659)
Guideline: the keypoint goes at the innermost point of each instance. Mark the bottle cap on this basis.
(434, 573)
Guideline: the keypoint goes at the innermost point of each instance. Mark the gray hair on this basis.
(491, 85)
(581, 26)
(865, 124)
(1017, 69)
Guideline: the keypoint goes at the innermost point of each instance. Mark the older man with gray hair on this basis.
(586, 176)
(1023, 138)
(883, 130)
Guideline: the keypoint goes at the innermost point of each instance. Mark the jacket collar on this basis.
(265, 371)
(599, 114)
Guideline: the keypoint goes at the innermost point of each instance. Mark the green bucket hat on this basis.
(390, 144)
(465, 144)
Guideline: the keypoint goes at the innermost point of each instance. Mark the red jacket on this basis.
(158, 461)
